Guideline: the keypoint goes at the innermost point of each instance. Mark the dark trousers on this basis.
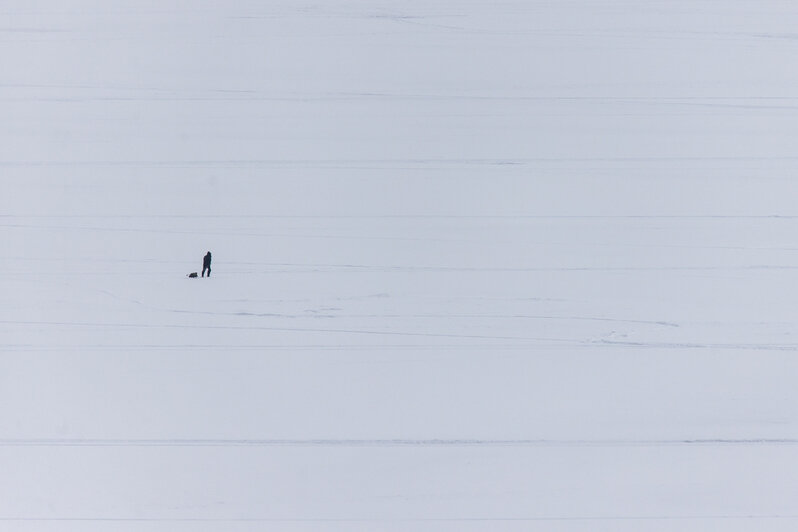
(206, 268)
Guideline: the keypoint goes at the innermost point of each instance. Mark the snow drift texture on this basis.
(477, 265)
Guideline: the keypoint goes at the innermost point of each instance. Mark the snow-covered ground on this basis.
(513, 265)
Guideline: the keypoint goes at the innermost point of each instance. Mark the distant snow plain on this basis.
(513, 265)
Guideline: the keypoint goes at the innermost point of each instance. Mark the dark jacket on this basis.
(206, 260)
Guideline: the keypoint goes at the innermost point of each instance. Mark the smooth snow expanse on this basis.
(478, 266)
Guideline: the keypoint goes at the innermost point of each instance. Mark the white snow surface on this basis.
(478, 266)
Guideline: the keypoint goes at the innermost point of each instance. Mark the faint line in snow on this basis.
(227, 348)
(384, 163)
(280, 329)
(698, 345)
(378, 520)
(332, 314)
(397, 442)
(587, 217)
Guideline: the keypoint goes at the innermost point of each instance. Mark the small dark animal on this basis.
(192, 274)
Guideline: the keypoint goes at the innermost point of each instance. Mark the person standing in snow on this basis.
(206, 264)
